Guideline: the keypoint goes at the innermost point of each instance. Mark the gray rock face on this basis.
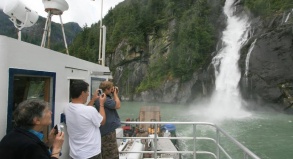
(271, 60)
(172, 91)
(271, 63)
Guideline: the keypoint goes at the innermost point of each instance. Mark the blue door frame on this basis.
(12, 73)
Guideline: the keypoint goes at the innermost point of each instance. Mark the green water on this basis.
(267, 134)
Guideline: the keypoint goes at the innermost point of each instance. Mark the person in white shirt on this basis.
(83, 122)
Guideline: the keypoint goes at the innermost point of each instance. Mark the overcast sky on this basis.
(80, 11)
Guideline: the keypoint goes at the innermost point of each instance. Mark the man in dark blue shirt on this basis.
(108, 131)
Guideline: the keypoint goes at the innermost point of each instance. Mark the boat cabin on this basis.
(30, 71)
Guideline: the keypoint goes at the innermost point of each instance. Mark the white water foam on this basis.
(226, 100)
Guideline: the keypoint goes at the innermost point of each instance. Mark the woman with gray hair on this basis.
(26, 140)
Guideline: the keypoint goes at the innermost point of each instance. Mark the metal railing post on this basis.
(245, 155)
(218, 143)
(156, 141)
(194, 141)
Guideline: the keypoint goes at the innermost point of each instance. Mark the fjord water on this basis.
(268, 134)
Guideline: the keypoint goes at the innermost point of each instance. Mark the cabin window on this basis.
(95, 83)
(29, 84)
(70, 83)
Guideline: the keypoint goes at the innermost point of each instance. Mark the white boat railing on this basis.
(247, 154)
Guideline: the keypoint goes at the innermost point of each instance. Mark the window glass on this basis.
(95, 83)
(28, 84)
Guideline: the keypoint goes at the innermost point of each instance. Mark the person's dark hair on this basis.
(27, 111)
(77, 87)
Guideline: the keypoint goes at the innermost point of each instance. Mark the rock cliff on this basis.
(270, 64)
(134, 62)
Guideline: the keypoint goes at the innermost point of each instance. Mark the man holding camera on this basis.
(83, 122)
(108, 131)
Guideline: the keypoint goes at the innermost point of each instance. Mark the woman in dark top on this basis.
(25, 141)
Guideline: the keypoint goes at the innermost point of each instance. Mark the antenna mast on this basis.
(54, 7)
(102, 44)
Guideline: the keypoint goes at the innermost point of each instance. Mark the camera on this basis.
(100, 91)
(57, 129)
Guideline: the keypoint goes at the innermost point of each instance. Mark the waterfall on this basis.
(226, 100)
(247, 61)
(288, 16)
